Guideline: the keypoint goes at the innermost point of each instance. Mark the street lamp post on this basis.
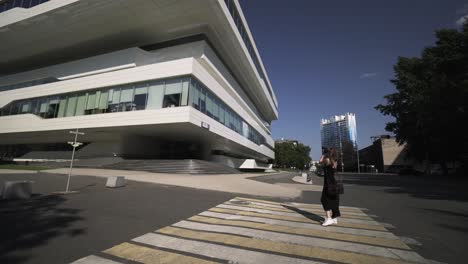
(74, 144)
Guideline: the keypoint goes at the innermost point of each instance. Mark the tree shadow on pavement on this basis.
(424, 187)
(26, 224)
(309, 215)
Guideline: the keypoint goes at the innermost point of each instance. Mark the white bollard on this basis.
(115, 181)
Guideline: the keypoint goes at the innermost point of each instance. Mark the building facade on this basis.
(339, 132)
(339, 128)
(385, 154)
(142, 79)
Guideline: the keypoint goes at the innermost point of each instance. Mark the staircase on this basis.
(188, 166)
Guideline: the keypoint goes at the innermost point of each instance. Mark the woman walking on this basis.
(330, 198)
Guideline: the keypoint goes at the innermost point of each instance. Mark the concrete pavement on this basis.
(232, 183)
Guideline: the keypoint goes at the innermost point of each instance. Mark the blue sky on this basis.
(332, 57)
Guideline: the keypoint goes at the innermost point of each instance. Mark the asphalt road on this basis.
(60, 229)
(431, 210)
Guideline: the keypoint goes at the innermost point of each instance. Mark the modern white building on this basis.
(164, 79)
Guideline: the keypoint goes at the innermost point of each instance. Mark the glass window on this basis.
(202, 101)
(43, 107)
(155, 95)
(91, 104)
(26, 107)
(140, 97)
(102, 108)
(26, 3)
(9, 5)
(62, 106)
(81, 104)
(215, 109)
(15, 108)
(185, 91)
(209, 104)
(126, 99)
(71, 105)
(173, 86)
(172, 94)
(114, 100)
(221, 113)
(5, 110)
(245, 129)
(53, 106)
(195, 94)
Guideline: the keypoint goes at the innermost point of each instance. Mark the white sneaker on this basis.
(328, 222)
(335, 221)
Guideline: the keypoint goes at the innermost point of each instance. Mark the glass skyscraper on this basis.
(339, 128)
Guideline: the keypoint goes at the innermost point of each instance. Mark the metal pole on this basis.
(71, 162)
(358, 165)
(341, 147)
(71, 167)
(74, 144)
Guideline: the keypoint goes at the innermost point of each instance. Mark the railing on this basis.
(6, 5)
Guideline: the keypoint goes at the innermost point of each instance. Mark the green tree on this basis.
(291, 154)
(430, 105)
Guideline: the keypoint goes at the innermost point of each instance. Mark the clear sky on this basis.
(331, 57)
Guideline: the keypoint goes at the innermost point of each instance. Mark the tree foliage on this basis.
(430, 105)
(289, 154)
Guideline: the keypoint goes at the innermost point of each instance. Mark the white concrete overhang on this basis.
(60, 31)
(178, 123)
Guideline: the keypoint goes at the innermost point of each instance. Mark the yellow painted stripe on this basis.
(278, 247)
(314, 206)
(149, 255)
(343, 214)
(303, 231)
(296, 219)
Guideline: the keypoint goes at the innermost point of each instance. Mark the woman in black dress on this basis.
(330, 201)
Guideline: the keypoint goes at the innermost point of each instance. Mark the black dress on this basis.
(330, 201)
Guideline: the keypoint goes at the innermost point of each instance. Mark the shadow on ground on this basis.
(309, 215)
(27, 224)
(424, 187)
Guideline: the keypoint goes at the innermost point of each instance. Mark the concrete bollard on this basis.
(17, 190)
(115, 181)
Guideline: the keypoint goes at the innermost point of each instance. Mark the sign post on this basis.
(74, 144)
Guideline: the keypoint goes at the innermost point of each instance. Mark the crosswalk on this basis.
(245, 230)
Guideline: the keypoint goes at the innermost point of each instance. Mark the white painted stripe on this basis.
(231, 254)
(92, 259)
(304, 240)
(264, 211)
(295, 206)
(335, 229)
